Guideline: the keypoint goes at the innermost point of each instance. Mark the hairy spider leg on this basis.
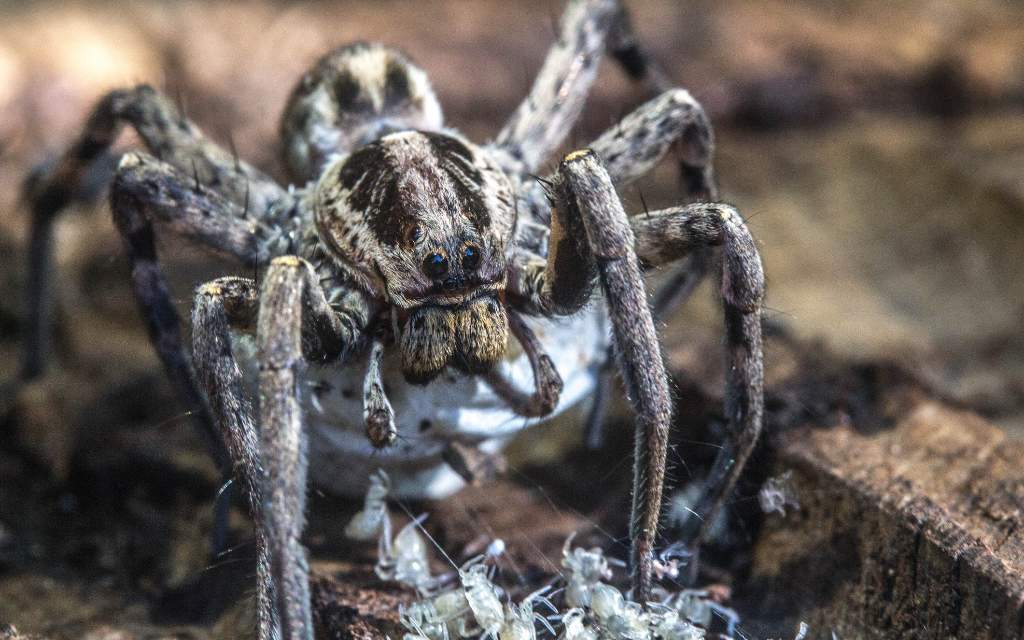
(146, 190)
(292, 303)
(585, 197)
(169, 136)
(586, 30)
(198, 189)
(541, 122)
(591, 235)
(294, 325)
(220, 306)
(669, 234)
(633, 146)
(631, 149)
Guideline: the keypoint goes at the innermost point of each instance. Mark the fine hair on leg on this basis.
(222, 305)
(585, 206)
(587, 191)
(293, 324)
(167, 134)
(542, 121)
(629, 150)
(147, 190)
(546, 381)
(668, 234)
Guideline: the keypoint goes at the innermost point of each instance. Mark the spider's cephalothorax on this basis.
(402, 236)
(423, 220)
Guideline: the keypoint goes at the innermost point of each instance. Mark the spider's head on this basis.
(423, 220)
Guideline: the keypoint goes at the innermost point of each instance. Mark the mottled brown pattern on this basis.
(383, 186)
(354, 94)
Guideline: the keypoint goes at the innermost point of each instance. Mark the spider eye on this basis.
(415, 233)
(435, 266)
(470, 257)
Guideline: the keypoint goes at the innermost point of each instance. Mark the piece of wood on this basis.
(350, 603)
(913, 531)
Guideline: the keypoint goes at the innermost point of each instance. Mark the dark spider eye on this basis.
(435, 266)
(415, 233)
(470, 257)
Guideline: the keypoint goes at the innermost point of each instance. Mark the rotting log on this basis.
(350, 603)
(914, 531)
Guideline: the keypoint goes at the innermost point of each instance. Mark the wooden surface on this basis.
(910, 531)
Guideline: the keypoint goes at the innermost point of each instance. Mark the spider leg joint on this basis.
(577, 155)
(210, 289)
(286, 261)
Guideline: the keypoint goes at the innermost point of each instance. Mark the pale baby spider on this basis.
(399, 264)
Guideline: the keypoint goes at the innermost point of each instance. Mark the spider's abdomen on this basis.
(354, 95)
(454, 406)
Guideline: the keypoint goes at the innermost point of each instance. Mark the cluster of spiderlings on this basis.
(474, 609)
(599, 611)
(613, 617)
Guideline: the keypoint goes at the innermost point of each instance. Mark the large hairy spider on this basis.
(400, 265)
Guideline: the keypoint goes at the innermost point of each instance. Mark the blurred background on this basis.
(875, 148)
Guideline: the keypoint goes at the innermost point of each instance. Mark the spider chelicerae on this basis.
(400, 265)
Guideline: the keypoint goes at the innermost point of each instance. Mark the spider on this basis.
(395, 271)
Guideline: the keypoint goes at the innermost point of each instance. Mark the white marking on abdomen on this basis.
(341, 458)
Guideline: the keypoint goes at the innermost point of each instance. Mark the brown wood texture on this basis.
(912, 531)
